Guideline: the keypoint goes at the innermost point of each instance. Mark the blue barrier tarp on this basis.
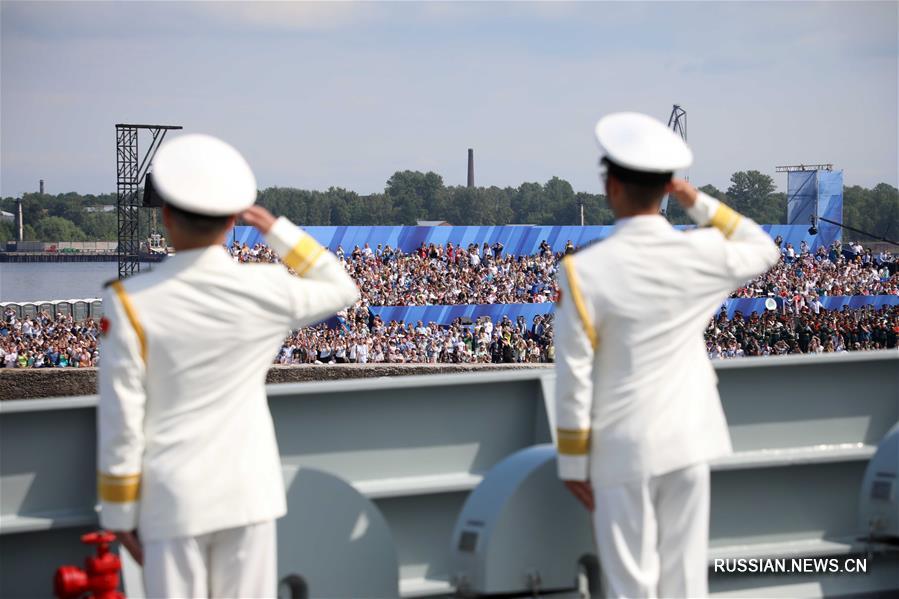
(802, 195)
(830, 206)
(836, 302)
(524, 240)
(447, 314)
(816, 193)
(518, 241)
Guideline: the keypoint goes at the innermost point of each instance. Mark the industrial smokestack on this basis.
(470, 167)
(42, 187)
(20, 225)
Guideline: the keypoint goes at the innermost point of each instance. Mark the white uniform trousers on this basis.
(653, 535)
(237, 563)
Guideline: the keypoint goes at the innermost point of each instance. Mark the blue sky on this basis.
(345, 94)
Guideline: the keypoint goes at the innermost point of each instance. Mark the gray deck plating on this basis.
(803, 429)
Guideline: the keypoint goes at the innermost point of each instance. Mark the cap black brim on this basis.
(628, 175)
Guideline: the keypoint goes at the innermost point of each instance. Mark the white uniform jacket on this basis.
(186, 444)
(636, 395)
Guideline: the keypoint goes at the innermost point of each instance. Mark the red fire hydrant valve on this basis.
(100, 577)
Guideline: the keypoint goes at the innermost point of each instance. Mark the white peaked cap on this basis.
(202, 174)
(641, 143)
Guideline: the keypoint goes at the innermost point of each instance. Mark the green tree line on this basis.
(410, 196)
(63, 217)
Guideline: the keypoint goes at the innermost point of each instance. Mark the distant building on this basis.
(7, 216)
(433, 223)
(102, 208)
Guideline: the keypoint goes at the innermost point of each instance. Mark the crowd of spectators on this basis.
(803, 276)
(485, 274)
(42, 341)
(802, 331)
(440, 275)
(359, 337)
(447, 275)
(363, 338)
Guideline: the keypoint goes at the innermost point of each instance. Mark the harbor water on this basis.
(55, 280)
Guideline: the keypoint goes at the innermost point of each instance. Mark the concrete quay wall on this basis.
(32, 383)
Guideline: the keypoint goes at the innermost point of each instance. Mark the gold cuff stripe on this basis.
(131, 313)
(725, 219)
(312, 260)
(574, 442)
(304, 255)
(118, 489)
(579, 304)
(118, 477)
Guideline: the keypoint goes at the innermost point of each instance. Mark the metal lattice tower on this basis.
(677, 122)
(130, 172)
(792, 168)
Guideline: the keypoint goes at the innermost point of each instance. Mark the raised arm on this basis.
(748, 250)
(322, 286)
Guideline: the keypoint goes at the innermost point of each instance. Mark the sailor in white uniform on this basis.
(189, 470)
(638, 412)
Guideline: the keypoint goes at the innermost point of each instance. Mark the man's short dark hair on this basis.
(643, 189)
(202, 224)
(643, 196)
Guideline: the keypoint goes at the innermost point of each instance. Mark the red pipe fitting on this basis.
(100, 577)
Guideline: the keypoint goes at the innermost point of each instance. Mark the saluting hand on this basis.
(583, 491)
(259, 217)
(683, 192)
